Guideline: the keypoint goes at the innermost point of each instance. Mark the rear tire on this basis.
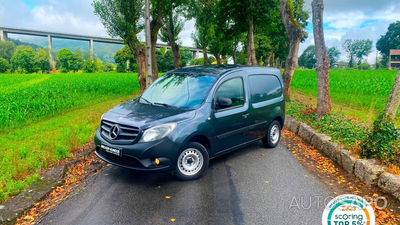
(192, 162)
(273, 135)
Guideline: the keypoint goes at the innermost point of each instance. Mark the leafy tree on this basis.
(165, 60)
(391, 40)
(357, 49)
(109, 67)
(308, 58)
(295, 34)
(169, 33)
(122, 56)
(76, 61)
(65, 56)
(4, 65)
(121, 67)
(186, 56)
(98, 65)
(23, 59)
(124, 19)
(89, 66)
(334, 54)
(204, 34)
(7, 49)
(42, 60)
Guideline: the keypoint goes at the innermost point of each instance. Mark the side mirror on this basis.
(224, 102)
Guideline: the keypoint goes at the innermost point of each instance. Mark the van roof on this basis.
(218, 70)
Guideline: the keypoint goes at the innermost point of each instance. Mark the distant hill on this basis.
(18, 42)
(103, 51)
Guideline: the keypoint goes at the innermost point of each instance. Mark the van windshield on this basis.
(178, 90)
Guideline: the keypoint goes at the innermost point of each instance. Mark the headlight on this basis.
(157, 132)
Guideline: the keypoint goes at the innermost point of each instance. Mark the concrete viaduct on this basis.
(4, 31)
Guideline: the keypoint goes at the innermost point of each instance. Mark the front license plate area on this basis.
(111, 150)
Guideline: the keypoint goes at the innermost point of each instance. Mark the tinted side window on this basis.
(264, 87)
(232, 89)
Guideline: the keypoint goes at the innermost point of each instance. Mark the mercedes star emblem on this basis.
(114, 132)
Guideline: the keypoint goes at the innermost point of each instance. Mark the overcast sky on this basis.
(343, 19)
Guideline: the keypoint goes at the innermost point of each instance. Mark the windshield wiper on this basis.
(165, 105)
(147, 101)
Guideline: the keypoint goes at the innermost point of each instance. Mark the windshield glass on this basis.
(179, 90)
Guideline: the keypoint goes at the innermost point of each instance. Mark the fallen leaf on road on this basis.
(172, 220)
(167, 197)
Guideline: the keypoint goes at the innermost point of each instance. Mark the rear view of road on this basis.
(244, 187)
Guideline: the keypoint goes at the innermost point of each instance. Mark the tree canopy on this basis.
(391, 40)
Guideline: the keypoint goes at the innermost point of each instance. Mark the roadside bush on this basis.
(4, 65)
(382, 142)
(342, 129)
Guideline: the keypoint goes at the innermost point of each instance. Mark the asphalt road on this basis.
(232, 191)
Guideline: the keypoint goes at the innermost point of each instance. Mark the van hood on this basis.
(144, 115)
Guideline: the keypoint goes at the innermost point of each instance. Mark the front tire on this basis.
(192, 162)
(273, 135)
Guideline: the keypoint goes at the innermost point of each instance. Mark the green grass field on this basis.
(27, 98)
(44, 118)
(355, 92)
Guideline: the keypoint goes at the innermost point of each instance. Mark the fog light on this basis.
(157, 162)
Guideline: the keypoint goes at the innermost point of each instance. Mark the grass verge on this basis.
(37, 146)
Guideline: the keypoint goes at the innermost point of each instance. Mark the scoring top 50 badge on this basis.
(348, 210)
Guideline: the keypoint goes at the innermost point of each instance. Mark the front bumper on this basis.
(140, 155)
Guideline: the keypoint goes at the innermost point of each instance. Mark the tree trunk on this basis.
(174, 46)
(155, 26)
(205, 56)
(248, 49)
(218, 58)
(224, 59)
(393, 101)
(140, 57)
(324, 105)
(266, 60)
(295, 34)
(251, 39)
(272, 58)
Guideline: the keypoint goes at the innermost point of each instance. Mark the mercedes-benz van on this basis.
(191, 115)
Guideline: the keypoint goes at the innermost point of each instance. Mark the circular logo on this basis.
(348, 210)
(114, 132)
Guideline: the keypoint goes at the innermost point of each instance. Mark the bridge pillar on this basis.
(51, 61)
(91, 48)
(3, 35)
(195, 54)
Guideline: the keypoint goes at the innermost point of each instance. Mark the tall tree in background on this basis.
(324, 104)
(7, 49)
(204, 11)
(295, 34)
(357, 49)
(169, 33)
(334, 54)
(391, 40)
(124, 19)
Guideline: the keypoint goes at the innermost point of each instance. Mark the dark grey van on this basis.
(191, 115)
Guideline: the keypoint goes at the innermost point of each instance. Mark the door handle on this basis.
(245, 115)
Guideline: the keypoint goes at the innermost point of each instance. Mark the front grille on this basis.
(127, 134)
(124, 160)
